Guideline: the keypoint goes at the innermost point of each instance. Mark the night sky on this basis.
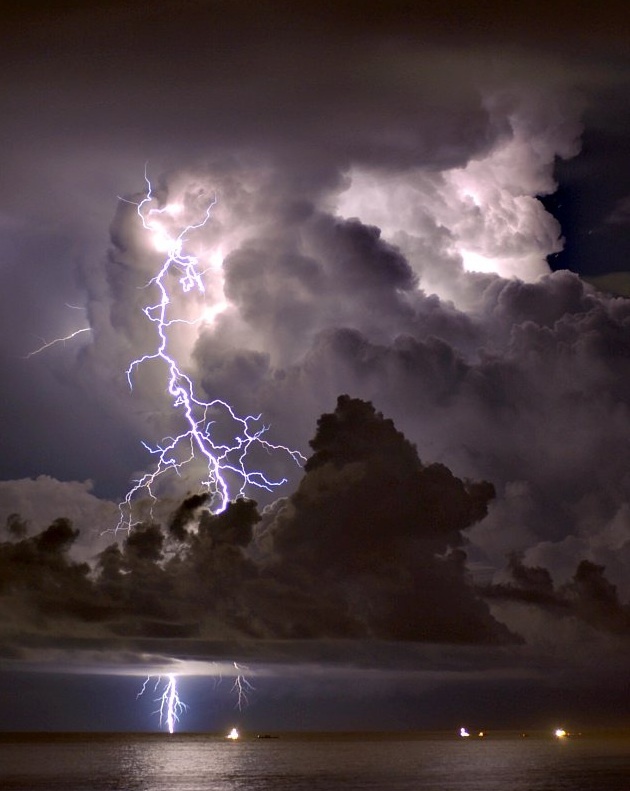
(416, 270)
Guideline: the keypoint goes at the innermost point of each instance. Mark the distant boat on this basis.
(266, 736)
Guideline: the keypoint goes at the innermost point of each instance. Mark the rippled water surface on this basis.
(437, 762)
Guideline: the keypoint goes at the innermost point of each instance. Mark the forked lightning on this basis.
(226, 462)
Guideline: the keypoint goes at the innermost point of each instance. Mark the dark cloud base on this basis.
(361, 568)
(364, 548)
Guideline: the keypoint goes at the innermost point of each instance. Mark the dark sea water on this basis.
(410, 762)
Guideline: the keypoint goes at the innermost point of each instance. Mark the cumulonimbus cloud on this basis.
(332, 562)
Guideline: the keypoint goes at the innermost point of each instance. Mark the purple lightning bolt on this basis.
(226, 462)
(241, 686)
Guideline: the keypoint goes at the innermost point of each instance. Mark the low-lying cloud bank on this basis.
(363, 565)
(363, 549)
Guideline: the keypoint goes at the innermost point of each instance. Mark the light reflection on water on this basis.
(127, 762)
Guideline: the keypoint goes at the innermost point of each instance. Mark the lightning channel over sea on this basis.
(170, 704)
(225, 461)
(242, 687)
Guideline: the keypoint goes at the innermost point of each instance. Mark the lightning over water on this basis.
(227, 474)
(170, 704)
(242, 687)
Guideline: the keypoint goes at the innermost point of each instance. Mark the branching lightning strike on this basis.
(48, 344)
(226, 462)
(170, 704)
(241, 686)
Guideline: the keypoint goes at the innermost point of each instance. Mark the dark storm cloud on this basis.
(275, 78)
(588, 596)
(540, 407)
(185, 515)
(533, 581)
(317, 87)
(363, 549)
(321, 271)
(366, 525)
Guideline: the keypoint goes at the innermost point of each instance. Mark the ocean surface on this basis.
(315, 762)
